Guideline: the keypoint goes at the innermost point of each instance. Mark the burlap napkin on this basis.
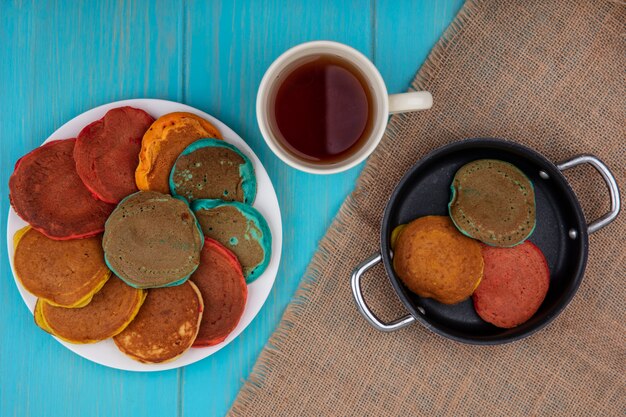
(549, 74)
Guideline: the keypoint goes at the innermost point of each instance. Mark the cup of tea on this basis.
(323, 107)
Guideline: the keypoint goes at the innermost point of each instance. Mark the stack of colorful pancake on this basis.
(481, 249)
(132, 283)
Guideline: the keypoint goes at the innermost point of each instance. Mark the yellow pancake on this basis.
(65, 273)
(168, 136)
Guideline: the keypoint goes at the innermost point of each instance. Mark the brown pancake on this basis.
(494, 202)
(223, 287)
(514, 285)
(168, 136)
(152, 240)
(64, 273)
(435, 260)
(166, 325)
(108, 313)
(241, 229)
(47, 193)
(107, 151)
(213, 169)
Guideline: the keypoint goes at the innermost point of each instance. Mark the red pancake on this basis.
(515, 283)
(223, 287)
(46, 191)
(107, 152)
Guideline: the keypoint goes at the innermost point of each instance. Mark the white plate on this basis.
(105, 352)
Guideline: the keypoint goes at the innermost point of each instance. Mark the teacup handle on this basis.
(362, 306)
(405, 102)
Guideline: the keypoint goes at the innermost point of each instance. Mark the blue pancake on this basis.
(152, 240)
(240, 228)
(213, 169)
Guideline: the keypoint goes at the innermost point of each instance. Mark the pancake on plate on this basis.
(241, 229)
(494, 202)
(166, 326)
(64, 273)
(152, 240)
(213, 169)
(108, 313)
(107, 150)
(47, 193)
(514, 285)
(168, 136)
(434, 260)
(223, 287)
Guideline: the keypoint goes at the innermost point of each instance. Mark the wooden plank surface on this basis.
(62, 58)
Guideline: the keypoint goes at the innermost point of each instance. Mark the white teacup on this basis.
(383, 103)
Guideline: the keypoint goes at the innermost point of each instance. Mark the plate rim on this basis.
(261, 287)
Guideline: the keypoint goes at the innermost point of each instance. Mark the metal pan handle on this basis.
(603, 221)
(362, 306)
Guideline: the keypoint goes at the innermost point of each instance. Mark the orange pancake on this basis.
(435, 260)
(108, 313)
(65, 273)
(168, 136)
(166, 326)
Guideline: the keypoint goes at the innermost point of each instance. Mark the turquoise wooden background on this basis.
(60, 58)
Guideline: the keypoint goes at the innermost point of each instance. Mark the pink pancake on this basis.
(223, 287)
(107, 152)
(515, 283)
(46, 192)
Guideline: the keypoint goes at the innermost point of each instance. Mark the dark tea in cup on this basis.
(322, 109)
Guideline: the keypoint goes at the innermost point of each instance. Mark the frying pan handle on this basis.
(603, 221)
(362, 306)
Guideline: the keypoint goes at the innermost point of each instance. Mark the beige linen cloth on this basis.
(550, 75)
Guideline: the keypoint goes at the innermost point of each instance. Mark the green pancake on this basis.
(152, 240)
(213, 169)
(494, 202)
(240, 228)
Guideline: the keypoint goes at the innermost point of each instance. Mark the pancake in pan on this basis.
(494, 202)
(241, 229)
(107, 151)
(47, 193)
(213, 169)
(168, 136)
(514, 285)
(152, 240)
(108, 313)
(166, 325)
(435, 261)
(223, 287)
(64, 273)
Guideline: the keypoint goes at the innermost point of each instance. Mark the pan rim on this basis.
(507, 146)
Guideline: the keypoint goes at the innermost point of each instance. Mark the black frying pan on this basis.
(561, 233)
